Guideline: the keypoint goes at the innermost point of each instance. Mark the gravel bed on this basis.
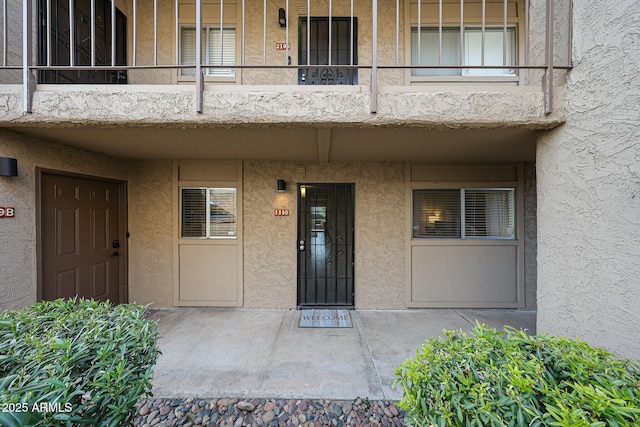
(192, 412)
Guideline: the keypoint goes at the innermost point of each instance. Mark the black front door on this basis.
(61, 40)
(325, 245)
(319, 51)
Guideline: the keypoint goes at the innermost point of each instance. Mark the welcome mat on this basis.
(325, 319)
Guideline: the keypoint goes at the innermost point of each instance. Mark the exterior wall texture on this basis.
(107, 105)
(18, 266)
(270, 256)
(530, 236)
(589, 187)
(166, 43)
(380, 231)
(151, 227)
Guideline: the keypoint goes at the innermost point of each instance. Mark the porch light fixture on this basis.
(8, 166)
(282, 185)
(282, 17)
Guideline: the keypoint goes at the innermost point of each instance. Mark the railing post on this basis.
(547, 80)
(5, 32)
(113, 34)
(199, 75)
(28, 80)
(374, 57)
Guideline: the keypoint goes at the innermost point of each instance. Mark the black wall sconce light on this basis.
(282, 185)
(8, 166)
(282, 17)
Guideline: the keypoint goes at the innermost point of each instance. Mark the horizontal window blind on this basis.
(194, 212)
(493, 49)
(436, 213)
(212, 50)
(209, 212)
(430, 50)
(489, 213)
(223, 212)
(188, 49)
(472, 55)
(228, 51)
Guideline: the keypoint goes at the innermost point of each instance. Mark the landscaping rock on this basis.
(231, 412)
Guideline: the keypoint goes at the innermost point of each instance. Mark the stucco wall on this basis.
(537, 36)
(145, 42)
(254, 38)
(589, 187)
(14, 41)
(530, 236)
(226, 105)
(18, 235)
(269, 241)
(275, 34)
(254, 33)
(151, 227)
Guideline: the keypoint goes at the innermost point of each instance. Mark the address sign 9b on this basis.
(7, 212)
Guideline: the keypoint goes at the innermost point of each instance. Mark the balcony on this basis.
(490, 64)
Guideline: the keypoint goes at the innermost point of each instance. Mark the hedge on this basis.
(74, 362)
(510, 378)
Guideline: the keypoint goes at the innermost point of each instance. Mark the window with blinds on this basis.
(222, 212)
(194, 212)
(472, 55)
(489, 213)
(436, 213)
(217, 49)
(209, 213)
(464, 213)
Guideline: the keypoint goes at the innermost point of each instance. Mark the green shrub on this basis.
(509, 378)
(74, 362)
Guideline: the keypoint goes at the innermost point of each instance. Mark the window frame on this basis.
(232, 12)
(207, 235)
(206, 39)
(451, 19)
(460, 68)
(462, 214)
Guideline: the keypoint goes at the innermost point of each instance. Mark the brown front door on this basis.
(81, 238)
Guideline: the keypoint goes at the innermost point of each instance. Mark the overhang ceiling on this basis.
(299, 143)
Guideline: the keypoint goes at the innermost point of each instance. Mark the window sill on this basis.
(209, 79)
(434, 241)
(418, 80)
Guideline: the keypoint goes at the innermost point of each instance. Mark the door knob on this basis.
(116, 253)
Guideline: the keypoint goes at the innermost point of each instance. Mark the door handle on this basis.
(116, 253)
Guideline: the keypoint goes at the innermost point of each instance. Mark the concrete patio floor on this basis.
(214, 353)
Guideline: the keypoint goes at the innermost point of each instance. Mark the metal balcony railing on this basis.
(98, 49)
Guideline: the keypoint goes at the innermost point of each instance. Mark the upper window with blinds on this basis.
(218, 48)
(464, 213)
(209, 213)
(435, 47)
